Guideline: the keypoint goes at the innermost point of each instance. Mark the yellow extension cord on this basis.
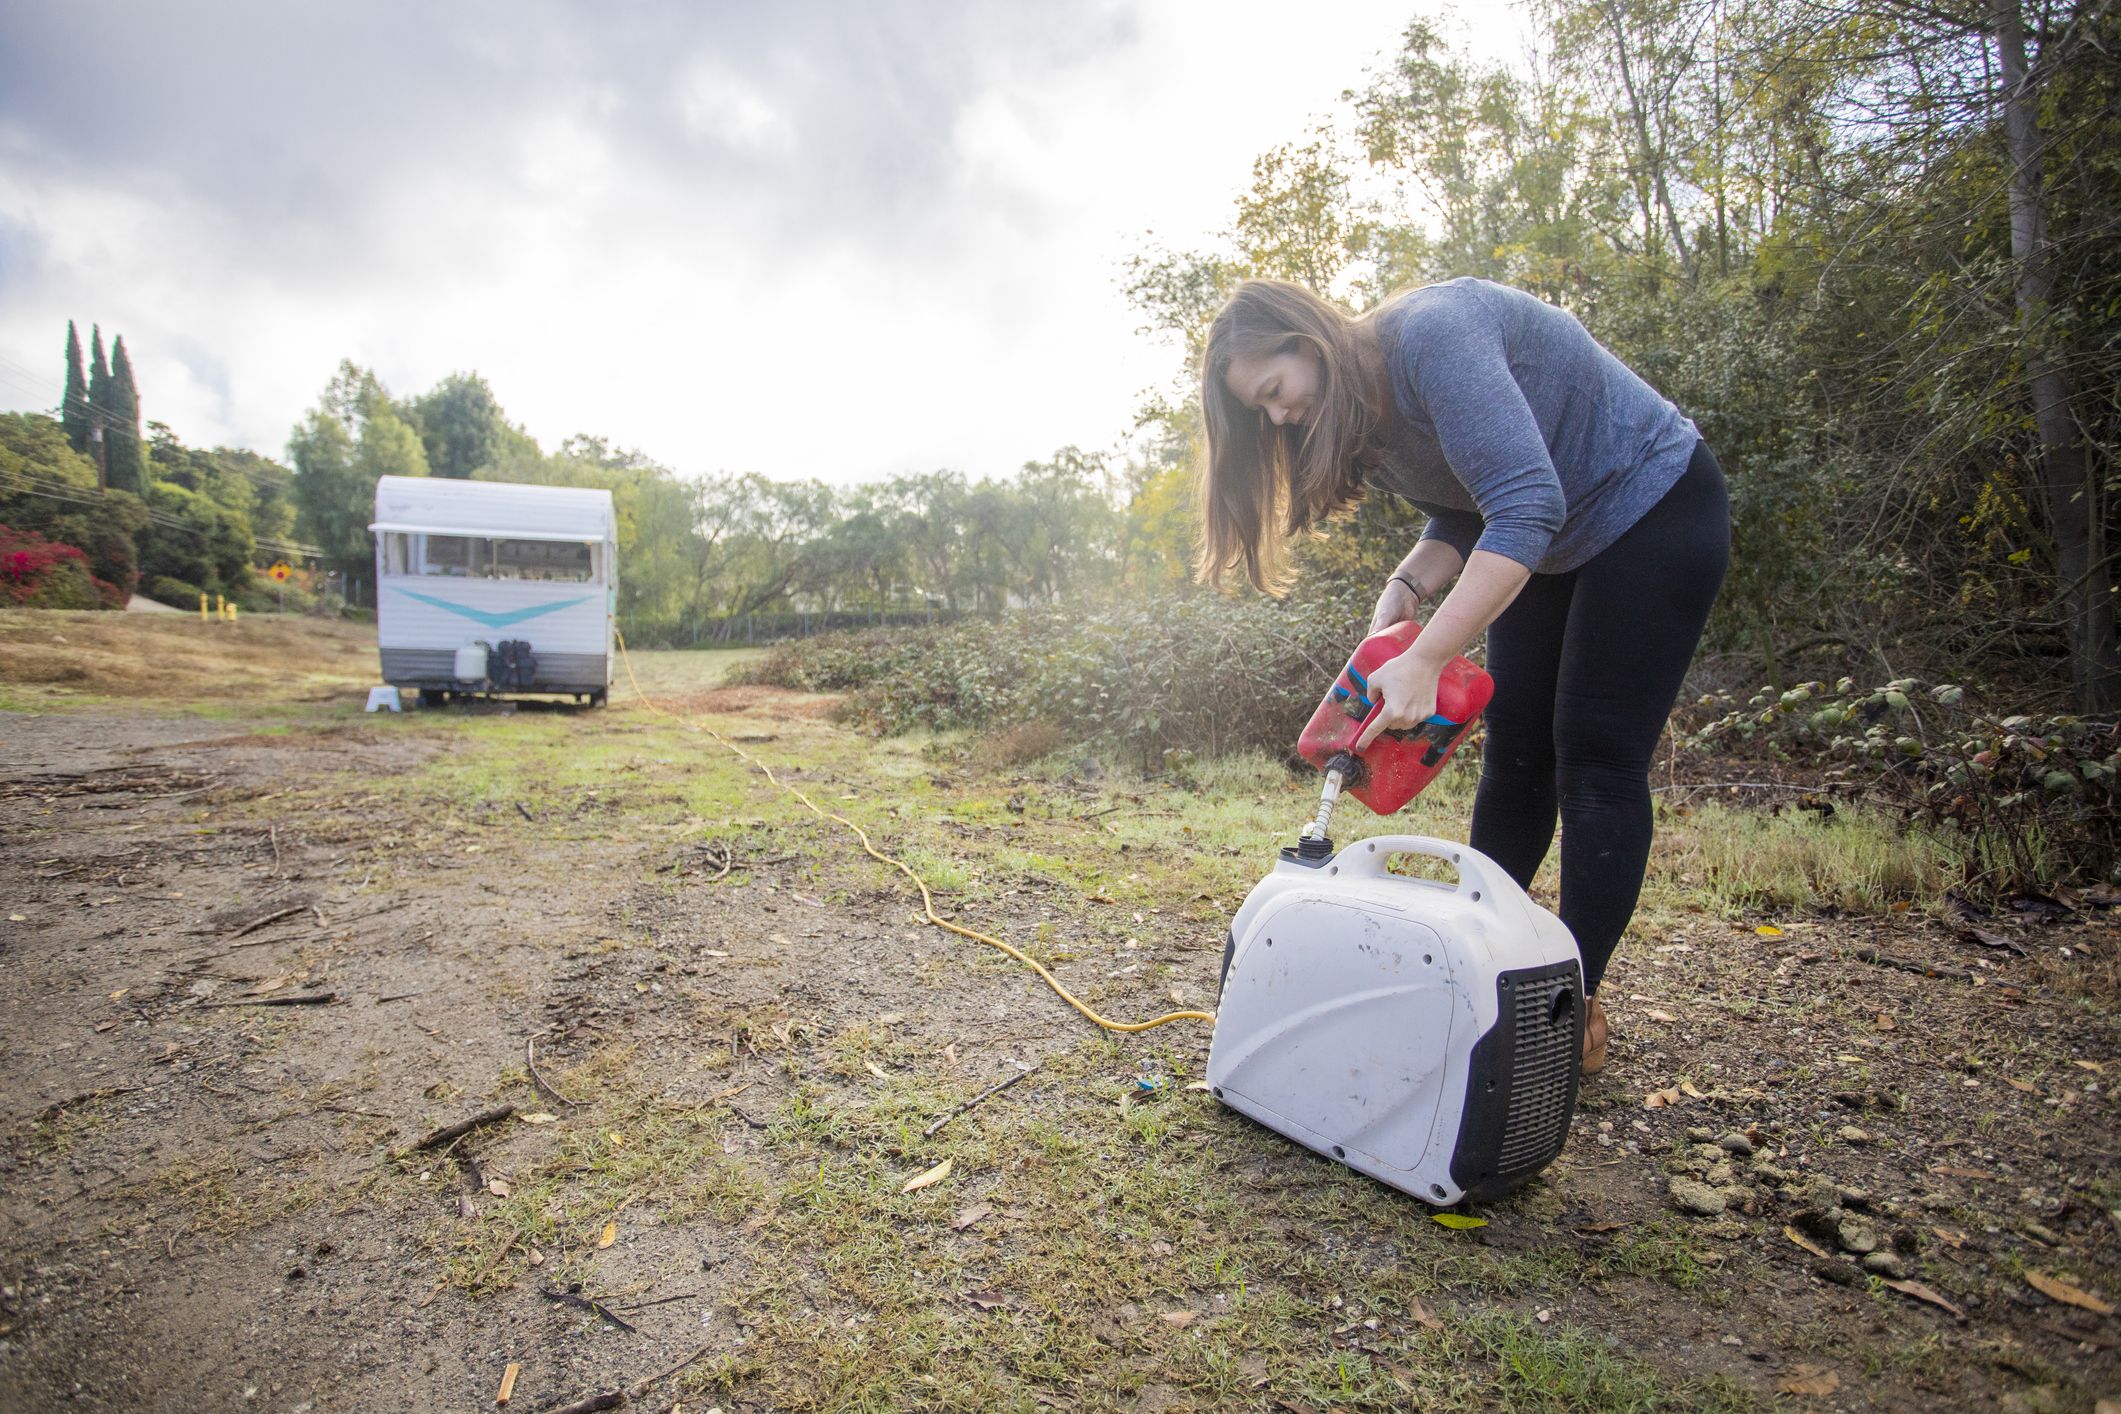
(927, 900)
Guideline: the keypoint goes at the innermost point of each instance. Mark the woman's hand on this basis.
(1408, 685)
(1395, 606)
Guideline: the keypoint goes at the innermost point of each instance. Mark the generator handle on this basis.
(1479, 876)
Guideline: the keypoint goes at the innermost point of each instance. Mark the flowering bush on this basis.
(45, 574)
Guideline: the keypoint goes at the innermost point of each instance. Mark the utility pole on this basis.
(95, 435)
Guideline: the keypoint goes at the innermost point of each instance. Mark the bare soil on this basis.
(212, 1203)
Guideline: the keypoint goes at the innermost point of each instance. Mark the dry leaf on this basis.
(933, 1176)
(1951, 1239)
(618, 1140)
(1179, 1320)
(1656, 1015)
(498, 1187)
(1885, 1023)
(876, 1070)
(1815, 1380)
(1178, 998)
(537, 1258)
(2056, 1289)
(119, 993)
(1686, 1087)
(539, 1118)
(1923, 1293)
(891, 1018)
(1418, 1312)
(1198, 1085)
(1806, 1243)
(2025, 1085)
(609, 1235)
(950, 1053)
(986, 1300)
(1768, 930)
(968, 1216)
(1658, 1099)
(269, 985)
(1953, 1171)
(1458, 1222)
(2095, 1067)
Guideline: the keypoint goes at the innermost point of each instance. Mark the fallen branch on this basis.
(980, 1099)
(618, 1398)
(569, 1298)
(462, 1127)
(530, 1059)
(268, 918)
(304, 999)
(1921, 969)
(663, 1301)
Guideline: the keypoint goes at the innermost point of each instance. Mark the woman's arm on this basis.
(1408, 682)
(1428, 567)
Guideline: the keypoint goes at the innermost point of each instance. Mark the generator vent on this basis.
(1542, 1071)
(1521, 1083)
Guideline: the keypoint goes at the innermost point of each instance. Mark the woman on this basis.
(1585, 523)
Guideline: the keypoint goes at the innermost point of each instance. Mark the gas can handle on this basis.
(1479, 877)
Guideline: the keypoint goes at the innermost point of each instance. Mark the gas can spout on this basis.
(1313, 841)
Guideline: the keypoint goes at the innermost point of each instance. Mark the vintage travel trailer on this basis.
(494, 587)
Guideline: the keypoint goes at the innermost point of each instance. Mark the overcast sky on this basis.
(838, 240)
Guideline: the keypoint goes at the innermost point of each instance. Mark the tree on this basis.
(462, 427)
(73, 407)
(350, 439)
(48, 487)
(98, 403)
(125, 460)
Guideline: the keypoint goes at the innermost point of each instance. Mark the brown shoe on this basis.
(1594, 1036)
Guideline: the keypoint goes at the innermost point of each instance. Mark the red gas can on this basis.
(1395, 767)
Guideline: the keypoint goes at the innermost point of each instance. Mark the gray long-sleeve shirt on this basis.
(1517, 431)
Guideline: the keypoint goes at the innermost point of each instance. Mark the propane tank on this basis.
(1395, 767)
(470, 664)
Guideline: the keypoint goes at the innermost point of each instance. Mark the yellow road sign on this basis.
(281, 572)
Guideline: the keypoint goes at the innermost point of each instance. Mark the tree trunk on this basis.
(2072, 497)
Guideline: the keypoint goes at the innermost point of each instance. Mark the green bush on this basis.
(66, 585)
(173, 592)
(1185, 673)
(2034, 796)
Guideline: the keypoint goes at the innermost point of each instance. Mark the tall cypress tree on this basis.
(73, 410)
(98, 395)
(127, 454)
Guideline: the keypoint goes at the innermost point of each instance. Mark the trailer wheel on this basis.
(433, 697)
(596, 699)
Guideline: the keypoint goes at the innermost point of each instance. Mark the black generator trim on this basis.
(1521, 1089)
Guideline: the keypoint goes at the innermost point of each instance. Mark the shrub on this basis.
(2034, 796)
(1183, 673)
(174, 592)
(48, 574)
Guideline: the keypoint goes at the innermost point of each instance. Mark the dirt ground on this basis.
(258, 946)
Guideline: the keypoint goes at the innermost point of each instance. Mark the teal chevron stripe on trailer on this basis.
(493, 620)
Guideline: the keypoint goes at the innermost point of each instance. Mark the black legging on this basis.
(1586, 667)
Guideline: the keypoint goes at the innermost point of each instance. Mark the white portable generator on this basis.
(1426, 1034)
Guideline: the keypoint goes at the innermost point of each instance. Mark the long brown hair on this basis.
(1264, 485)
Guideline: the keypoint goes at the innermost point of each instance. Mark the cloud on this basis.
(812, 239)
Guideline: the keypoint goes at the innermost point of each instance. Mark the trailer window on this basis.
(542, 559)
(456, 556)
(397, 552)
